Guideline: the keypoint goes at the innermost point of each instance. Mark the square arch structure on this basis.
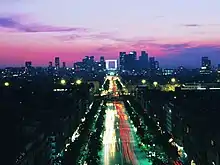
(111, 64)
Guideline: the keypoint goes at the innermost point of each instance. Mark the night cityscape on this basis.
(110, 83)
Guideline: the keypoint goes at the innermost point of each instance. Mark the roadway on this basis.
(119, 140)
(120, 146)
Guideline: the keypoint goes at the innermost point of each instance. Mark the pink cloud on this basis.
(19, 24)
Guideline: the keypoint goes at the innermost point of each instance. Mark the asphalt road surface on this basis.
(119, 142)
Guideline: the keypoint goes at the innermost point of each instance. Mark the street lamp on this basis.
(143, 81)
(173, 80)
(6, 84)
(78, 82)
(63, 82)
(155, 83)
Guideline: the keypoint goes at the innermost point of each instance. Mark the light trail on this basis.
(125, 135)
(109, 138)
(119, 144)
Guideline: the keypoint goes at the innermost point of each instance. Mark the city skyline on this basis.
(176, 33)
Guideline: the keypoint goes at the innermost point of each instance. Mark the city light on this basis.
(63, 82)
(78, 82)
(155, 83)
(192, 162)
(143, 81)
(6, 84)
(173, 80)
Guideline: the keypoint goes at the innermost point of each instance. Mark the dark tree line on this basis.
(95, 143)
(157, 137)
(73, 152)
(118, 84)
(106, 85)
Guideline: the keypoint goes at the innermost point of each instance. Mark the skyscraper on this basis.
(102, 59)
(102, 63)
(64, 64)
(28, 64)
(157, 65)
(206, 63)
(152, 64)
(91, 59)
(205, 66)
(133, 55)
(57, 62)
(122, 60)
(143, 60)
(50, 64)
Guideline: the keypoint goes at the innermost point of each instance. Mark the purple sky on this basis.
(175, 32)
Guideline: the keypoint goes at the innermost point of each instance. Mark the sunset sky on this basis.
(176, 32)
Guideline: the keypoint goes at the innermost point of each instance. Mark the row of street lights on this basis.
(155, 83)
(78, 82)
(62, 82)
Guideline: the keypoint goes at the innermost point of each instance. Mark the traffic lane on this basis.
(110, 145)
(136, 156)
(123, 154)
(122, 151)
(127, 146)
(125, 136)
(124, 144)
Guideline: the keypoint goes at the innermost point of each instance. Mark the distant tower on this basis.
(102, 59)
(57, 62)
(92, 58)
(28, 64)
(122, 60)
(157, 65)
(50, 64)
(102, 63)
(206, 62)
(143, 59)
(64, 64)
(133, 55)
(152, 63)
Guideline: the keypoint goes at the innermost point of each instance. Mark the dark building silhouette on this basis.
(50, 64)
(57, 62)
(122, 60)
(131, 61)
(102, 59)
(206, 66)
(152, 65)
(157, 65)
(64, 64)
(28, 64)
(143, 60)
(206, 62)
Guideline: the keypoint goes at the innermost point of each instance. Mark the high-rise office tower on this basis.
(64, 64)
(122, 60)
(206, 63)
(133, 54)
(92, 59)
(57, 62)
(130, 61)
(205, 66)
(102, 63)
(152, 65)
(28, 64)
(157, 65)
(143, 60)
(102, 59)
(86, 59)
(50, 64)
